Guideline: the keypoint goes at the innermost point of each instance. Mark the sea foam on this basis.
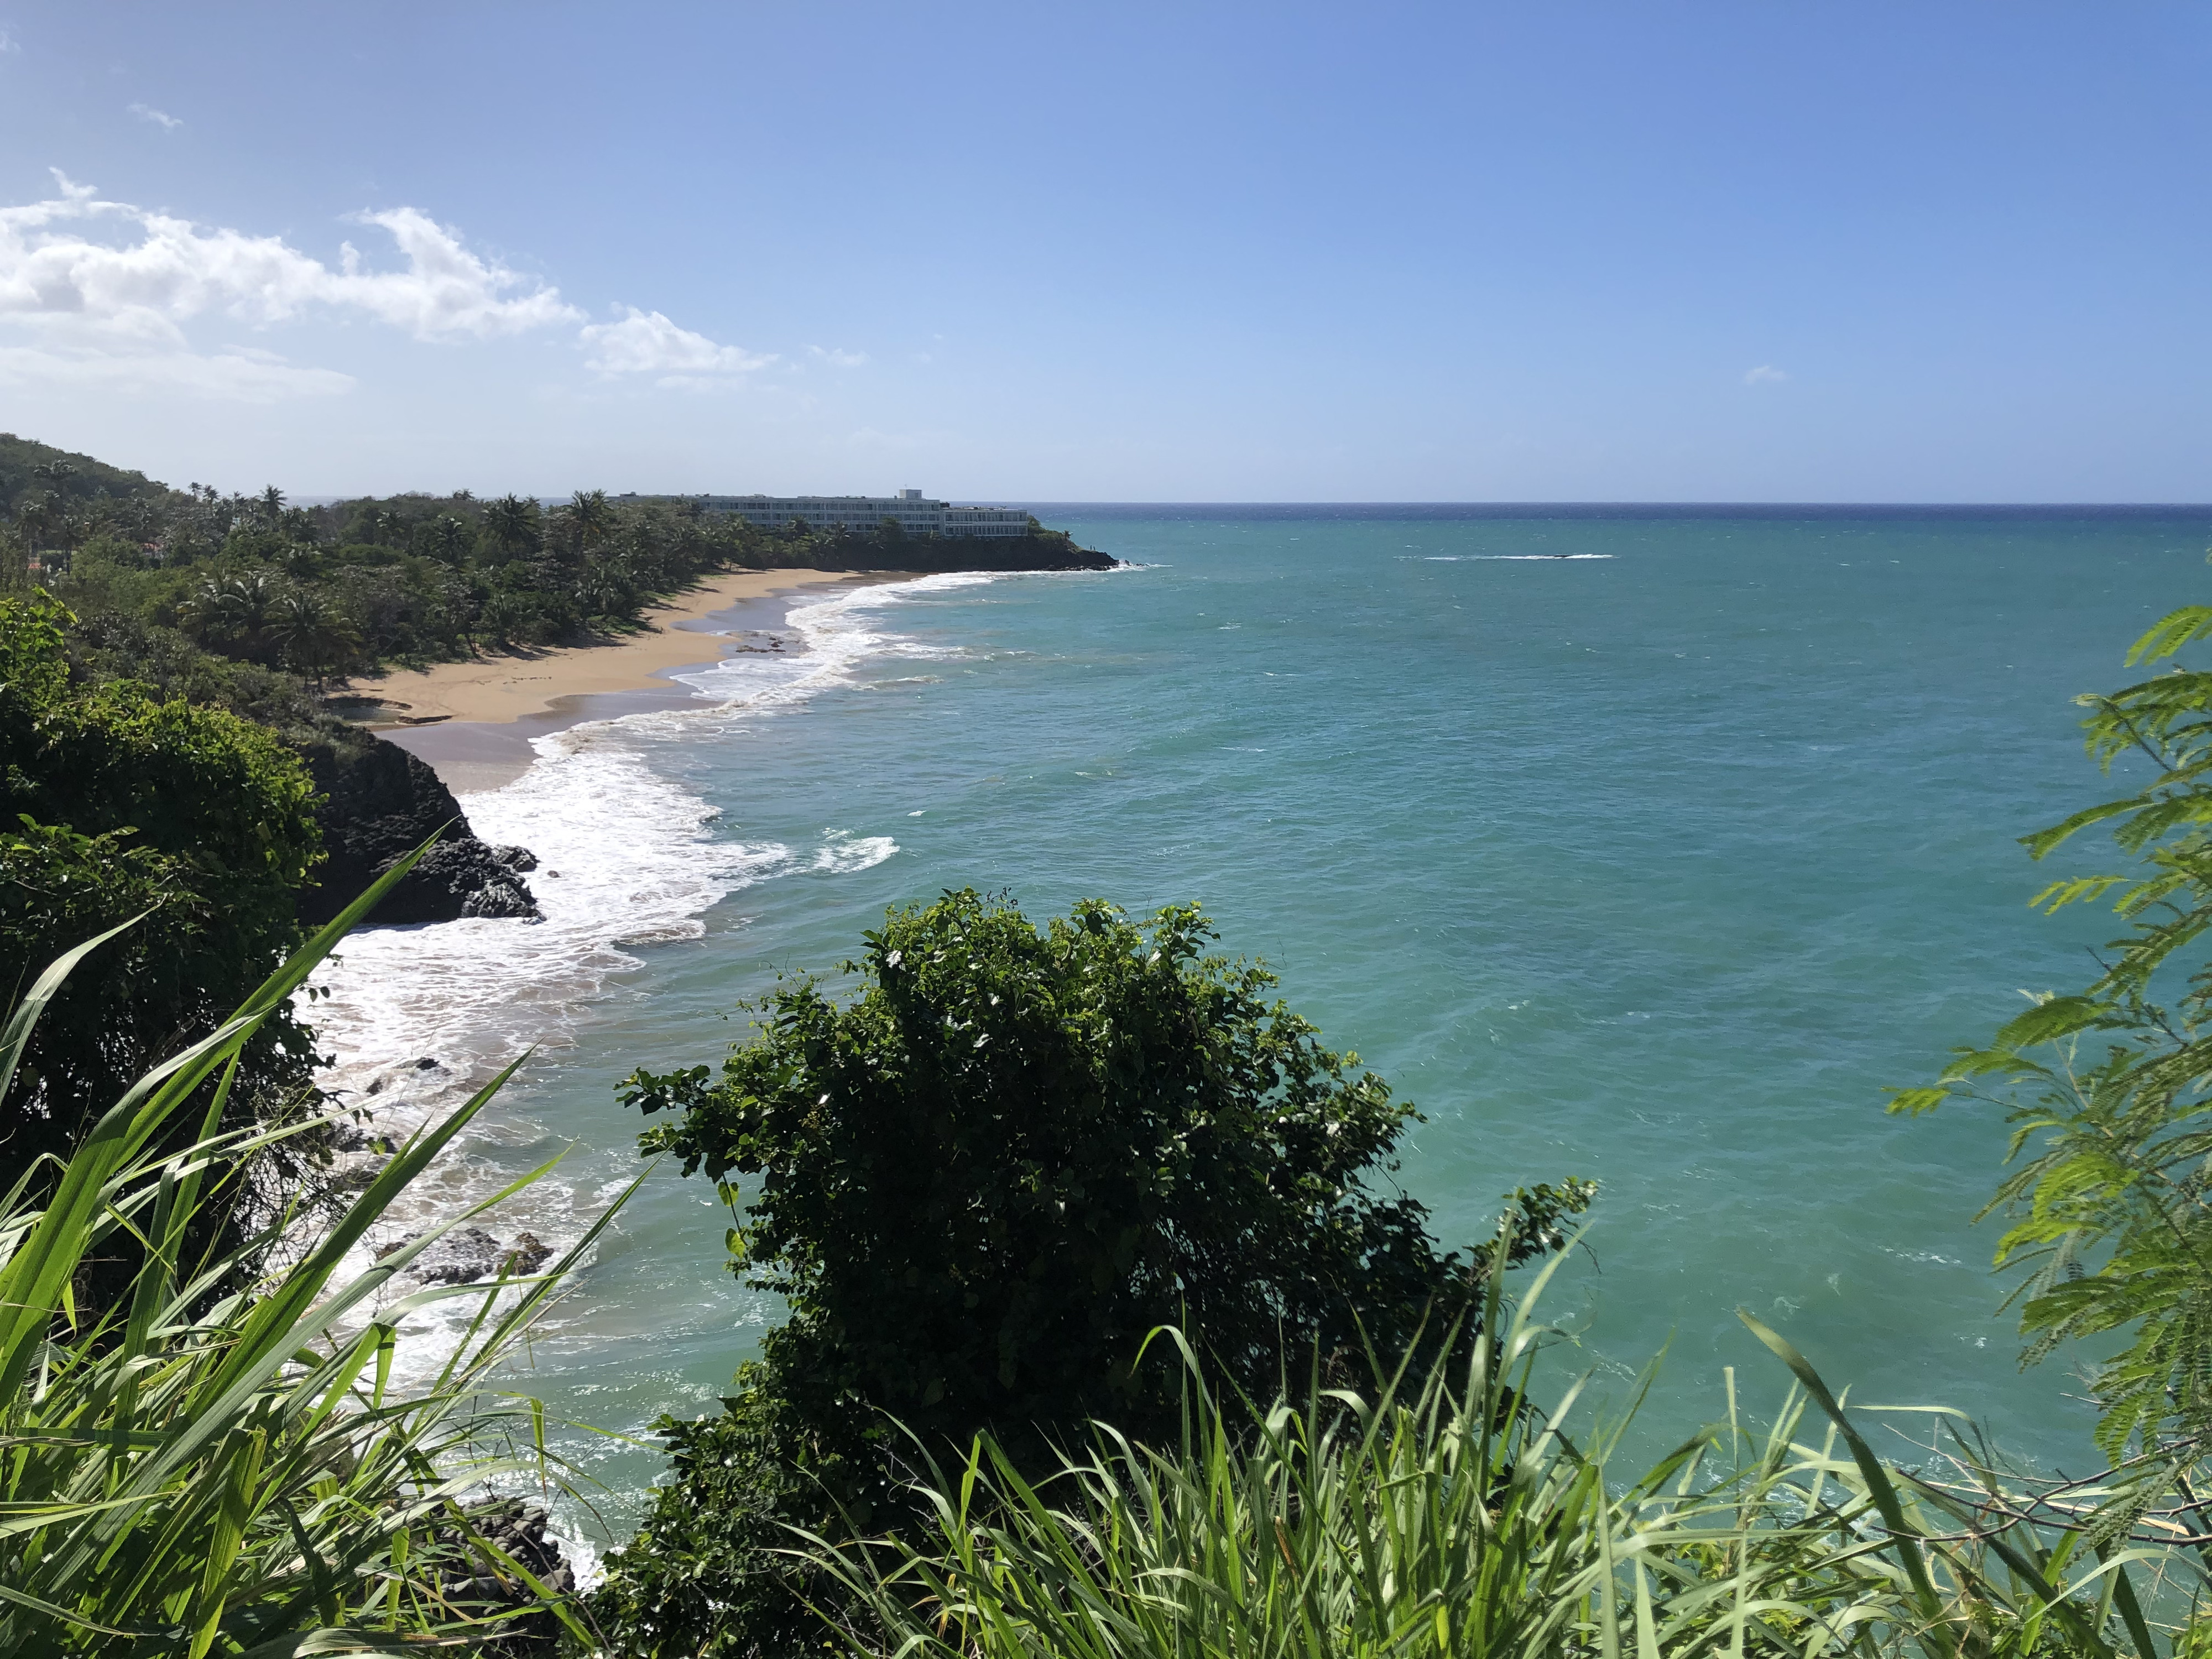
(415, 1019)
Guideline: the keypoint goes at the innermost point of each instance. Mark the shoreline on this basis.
(475, 722)
(498, 689)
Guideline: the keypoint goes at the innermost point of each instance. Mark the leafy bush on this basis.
(121, 802)
(981, 1183)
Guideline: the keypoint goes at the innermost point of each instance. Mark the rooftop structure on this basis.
(909, 509)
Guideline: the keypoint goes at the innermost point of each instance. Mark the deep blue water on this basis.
(1658, 868)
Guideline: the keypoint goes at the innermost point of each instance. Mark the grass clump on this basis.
(218, 1462)
(1448, 1516)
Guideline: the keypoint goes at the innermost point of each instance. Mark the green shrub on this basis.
(979, 1185)
(119, 802)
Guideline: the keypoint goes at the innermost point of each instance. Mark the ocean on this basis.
(1645, 845)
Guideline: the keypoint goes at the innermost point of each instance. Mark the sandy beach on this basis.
(502, 687)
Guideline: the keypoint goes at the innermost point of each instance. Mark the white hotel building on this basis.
(911, 513)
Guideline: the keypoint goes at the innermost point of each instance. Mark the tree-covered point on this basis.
(338, 588)
(981, 1184)
(349, 586)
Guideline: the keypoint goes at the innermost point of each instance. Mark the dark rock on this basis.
(525, 1255)
(382, 804)
(1046, 549)
(492, 1589)
(458, 1258)
(469, 1253)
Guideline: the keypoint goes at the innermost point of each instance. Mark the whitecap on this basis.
(626, 857)
(842, 853)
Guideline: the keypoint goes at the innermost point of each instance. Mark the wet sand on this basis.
(507, 685)
(474, 722)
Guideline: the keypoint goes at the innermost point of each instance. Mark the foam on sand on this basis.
(417, 1018)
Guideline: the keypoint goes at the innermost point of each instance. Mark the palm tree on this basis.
(40, 516)
(314, 638)
(512, 524)
(607, 587)
(232, 610)
(37, 517)
(587, 515)
(272, 504)
(447, 539)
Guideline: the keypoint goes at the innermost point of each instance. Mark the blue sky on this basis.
(1576, 251)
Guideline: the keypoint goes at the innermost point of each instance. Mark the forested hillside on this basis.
(352, 586)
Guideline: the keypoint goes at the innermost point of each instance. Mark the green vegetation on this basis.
(2108, 1091)
(314, 592)
(982, 1184)
(125, 803)
(1435, 1517)
(218, 1462)
(328, 590)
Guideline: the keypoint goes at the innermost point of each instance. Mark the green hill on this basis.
(92, 477)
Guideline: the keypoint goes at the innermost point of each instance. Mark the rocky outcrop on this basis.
(487, 1585)
(469, 1253)
(1040, 549)
(382, 804)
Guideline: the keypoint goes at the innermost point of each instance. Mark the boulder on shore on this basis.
(382, 803)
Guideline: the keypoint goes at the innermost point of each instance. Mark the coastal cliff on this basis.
(381, 803)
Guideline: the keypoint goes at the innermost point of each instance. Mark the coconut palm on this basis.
(512, 525)
(37, 518)
(231, 609)
(447, 538)
(55, 475)
(314, 638)
(586, 516)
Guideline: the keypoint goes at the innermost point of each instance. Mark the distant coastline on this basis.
(1783, 511)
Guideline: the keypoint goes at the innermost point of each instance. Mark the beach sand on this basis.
(474, 720)
(503, 686)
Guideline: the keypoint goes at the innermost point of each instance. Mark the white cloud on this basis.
(1765, 374)
(9, 42)
(235, 374)
(93, 280)
(840, 358)
(646, 342)
(147, 112)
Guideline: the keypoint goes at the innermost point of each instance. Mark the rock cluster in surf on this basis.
(381, 804)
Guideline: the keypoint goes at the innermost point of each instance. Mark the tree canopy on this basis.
(981, 1183)
(119, 801)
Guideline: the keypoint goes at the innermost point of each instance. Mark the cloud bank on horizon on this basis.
(101, 293)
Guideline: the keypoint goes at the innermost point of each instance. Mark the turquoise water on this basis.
(1658, 868)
